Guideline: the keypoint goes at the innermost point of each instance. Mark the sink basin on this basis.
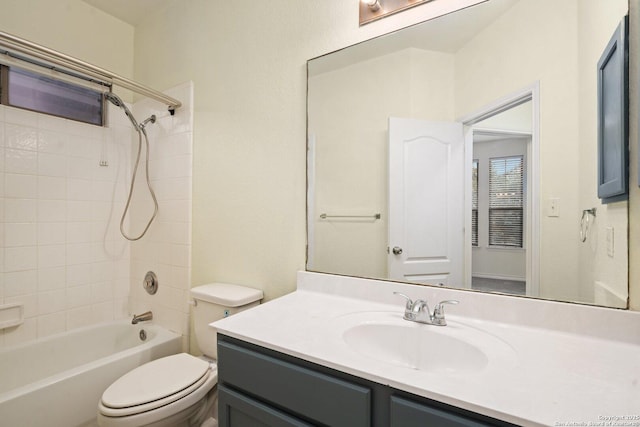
(415, 348)
(455, 348)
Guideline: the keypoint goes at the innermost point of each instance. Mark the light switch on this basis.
(610, 241)
(553, 209)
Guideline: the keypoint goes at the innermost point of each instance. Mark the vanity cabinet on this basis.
(261, 387)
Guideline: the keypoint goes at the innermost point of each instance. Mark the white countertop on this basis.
(562, 367)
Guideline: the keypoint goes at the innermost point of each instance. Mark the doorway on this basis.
(499, 207)
(501, 195)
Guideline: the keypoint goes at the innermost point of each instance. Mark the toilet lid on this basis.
(226, 294)
(156, 380)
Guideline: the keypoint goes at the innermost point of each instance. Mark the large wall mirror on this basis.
(462, 152)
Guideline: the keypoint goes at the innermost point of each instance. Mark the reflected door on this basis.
(426, 215)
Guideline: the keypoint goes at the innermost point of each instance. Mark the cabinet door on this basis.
(613, 121)
(306, 392)
(238, 410)
(405, 413)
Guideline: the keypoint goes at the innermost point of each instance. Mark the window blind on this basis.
(506, 201)
(474, 204)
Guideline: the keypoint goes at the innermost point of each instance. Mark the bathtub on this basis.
(57, 381)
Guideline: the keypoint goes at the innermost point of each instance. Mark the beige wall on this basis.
(601, 274)
(248, 64)
(545, 58)
(85, 277)
(355, 148)
(351, 156)
(61, 257)
(72, 27)
(568, 147)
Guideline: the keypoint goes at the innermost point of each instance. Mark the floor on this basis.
(514, 287)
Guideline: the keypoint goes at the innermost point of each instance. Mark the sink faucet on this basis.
(141, 317)
(418, 311)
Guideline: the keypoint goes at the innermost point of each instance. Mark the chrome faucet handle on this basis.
(438, 312)
(409, 306)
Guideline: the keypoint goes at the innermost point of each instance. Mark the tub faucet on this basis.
(141, 317)
(418, 311)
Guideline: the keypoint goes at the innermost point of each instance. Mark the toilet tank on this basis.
(215, 301)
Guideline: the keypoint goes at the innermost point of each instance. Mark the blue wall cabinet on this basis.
(613, 117)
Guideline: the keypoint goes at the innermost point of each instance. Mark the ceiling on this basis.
(447, 33)
(129, 11)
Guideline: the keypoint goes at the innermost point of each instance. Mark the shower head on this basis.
(114, 99)
(118, 102)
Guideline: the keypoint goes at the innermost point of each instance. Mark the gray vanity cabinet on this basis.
(287, 388)
(409, 413)
(237, 409)
(261, 387)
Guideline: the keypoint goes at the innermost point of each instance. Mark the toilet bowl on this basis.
(177, 390)
(160, 393)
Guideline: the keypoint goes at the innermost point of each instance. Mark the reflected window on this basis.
(506, 201)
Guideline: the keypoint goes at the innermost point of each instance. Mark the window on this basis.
(506, 201)
(474, 204)
(33, 91)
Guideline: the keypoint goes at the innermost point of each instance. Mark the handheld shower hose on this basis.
(140, 128)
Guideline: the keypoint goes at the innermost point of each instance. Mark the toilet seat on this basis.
(180, 379)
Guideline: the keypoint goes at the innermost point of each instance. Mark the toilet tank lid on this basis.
(226, 294)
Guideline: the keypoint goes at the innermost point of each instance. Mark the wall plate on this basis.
(150, 283)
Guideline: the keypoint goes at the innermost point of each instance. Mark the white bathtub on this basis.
(57, 381)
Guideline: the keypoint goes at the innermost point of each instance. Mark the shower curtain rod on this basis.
(15, 44)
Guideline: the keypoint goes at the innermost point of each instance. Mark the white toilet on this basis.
(178, 390)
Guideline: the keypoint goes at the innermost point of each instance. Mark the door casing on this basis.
(532, 229)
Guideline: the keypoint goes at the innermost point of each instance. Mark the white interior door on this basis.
(426, 202)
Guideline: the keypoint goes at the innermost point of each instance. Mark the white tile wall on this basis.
(166, 249)
(48, 182)
(61, 252)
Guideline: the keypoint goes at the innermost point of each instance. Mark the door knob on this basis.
(397, 250)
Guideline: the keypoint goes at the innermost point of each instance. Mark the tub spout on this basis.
(141, 317)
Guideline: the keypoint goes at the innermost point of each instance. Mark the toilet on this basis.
(178, 390)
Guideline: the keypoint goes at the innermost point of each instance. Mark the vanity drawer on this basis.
(304, 393)
(238, 410)
(408, 413)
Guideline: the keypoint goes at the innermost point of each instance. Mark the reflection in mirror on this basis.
(475, 137)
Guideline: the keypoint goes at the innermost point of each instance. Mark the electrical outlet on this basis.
(553, 209)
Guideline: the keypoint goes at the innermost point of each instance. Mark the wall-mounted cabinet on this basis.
(613, 118)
